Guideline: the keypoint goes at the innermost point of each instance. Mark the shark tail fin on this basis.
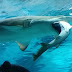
(21, 46)
(40, 51)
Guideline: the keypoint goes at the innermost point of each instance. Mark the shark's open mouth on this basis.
(56, 26)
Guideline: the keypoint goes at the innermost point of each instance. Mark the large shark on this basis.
(23, 29)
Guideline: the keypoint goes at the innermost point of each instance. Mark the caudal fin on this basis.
(21, 46)
(40, 51)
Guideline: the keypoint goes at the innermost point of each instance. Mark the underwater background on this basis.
(53, 60)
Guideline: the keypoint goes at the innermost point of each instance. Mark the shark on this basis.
(23, 29)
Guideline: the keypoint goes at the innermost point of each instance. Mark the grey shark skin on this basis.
(65, 30)
(7, 67)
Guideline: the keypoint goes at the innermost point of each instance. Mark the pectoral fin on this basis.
(21, 46)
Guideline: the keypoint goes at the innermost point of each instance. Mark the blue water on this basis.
(53, 60)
